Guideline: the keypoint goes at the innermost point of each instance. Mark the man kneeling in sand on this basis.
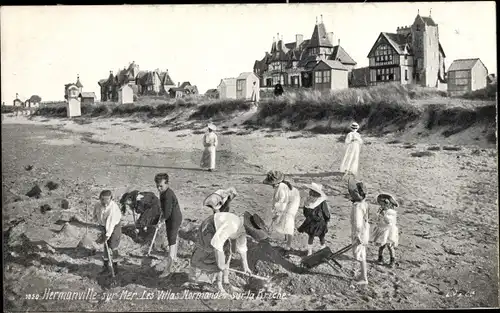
(214, 247)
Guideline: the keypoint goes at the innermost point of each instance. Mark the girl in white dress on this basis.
(351, 157)
(286, 202)
(210, 143)
(386, 231)
(360, 226)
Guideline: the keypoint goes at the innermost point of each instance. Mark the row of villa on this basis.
(412, 55)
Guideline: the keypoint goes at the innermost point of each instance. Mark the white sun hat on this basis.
(211, 126)
(315, 187)
(354, 125)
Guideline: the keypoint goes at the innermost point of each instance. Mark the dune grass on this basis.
(378, 109)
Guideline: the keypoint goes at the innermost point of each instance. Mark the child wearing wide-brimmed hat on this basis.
(350, 162)
(317, 216)
(219, 200)
(286, 203)
(386, 231)
(360, 226)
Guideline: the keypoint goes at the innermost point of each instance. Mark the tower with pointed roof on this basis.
(412, 55)
(291, 63)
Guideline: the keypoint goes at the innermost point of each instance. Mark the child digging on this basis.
(108, 214)
(360, 227)
(317, 216)
(386, 232)
(172, 215)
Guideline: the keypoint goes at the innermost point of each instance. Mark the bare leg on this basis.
(380, 256)
(289, 239)
(363, 278)
(392, 255)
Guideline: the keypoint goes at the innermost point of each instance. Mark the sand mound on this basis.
(87, 243)
(69, 230)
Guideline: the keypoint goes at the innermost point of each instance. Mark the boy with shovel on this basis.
(171, 213)
(108, 214)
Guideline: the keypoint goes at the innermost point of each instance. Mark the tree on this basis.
(35, 99)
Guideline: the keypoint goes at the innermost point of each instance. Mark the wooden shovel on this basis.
(154, 236)
(251, 275)
(110, 258)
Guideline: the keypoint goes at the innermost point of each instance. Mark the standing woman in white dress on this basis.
(286, 202)
(351, 158)
(210, 143)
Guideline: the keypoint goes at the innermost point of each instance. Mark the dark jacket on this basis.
(148, 207)
(170, 206)
(316, 223)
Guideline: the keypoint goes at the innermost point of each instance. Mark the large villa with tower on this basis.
(412, 55)
(295, 64)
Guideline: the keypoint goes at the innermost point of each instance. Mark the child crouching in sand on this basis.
(108, 214)
(386, 232)
(360, 227)
(317, 216)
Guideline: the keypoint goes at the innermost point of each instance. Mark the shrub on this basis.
(487, 93)
(420, 154)
(434, 148)
(221, 108)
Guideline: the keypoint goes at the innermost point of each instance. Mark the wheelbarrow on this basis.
(323, 256)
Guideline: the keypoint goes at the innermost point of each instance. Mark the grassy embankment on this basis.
(385, 108)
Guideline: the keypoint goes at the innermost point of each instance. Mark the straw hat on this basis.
(315, 187)
(354, 125)
(255, 226)
(212, 126)
(357, 190)
(385, 197)
(273, 178)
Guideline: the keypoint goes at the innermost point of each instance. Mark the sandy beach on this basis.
(448, 215)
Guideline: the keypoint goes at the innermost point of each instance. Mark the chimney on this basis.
(17, 95)
(316, 20)
(299, 39)
(321, 18)
(178, 84)
(339, 41)
(330, 37)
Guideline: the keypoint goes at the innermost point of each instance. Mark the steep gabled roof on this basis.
(185, 84)
(340, 54)
(102, 82)
(87, 95)
(463, 64)
(427, 20)
(334, 65)
(319, 37)
(228, 81)
(396, 41)
(244, 75)
(309, 61)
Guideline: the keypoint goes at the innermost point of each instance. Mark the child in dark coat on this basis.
(172, 215)
(317, 216)
(147, 205)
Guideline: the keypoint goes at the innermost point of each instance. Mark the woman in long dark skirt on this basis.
(317, 216)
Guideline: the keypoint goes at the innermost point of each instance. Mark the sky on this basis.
(204, 43)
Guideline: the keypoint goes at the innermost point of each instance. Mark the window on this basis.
(406, 57)
(317, 77)
(326, 76)
(384, 54)
(386, 74)
(417, 76)
(239, 85)
(406, 74)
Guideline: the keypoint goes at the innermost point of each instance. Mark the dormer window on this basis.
(418, 27)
